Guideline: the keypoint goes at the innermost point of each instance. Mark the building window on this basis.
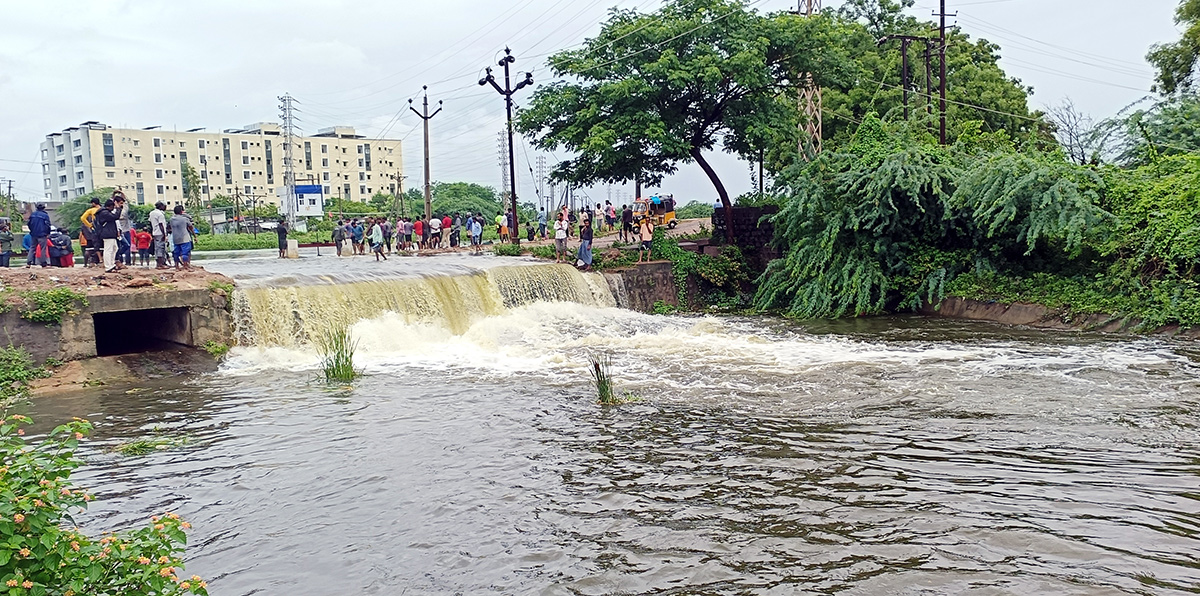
(62, 163)
(245, 174)
(270, 163)
(245, 145)
(136, 143)
(79, 192)
(78, 159)
(203, 159)
(324, 148)
(110, 174)
(59, 149)
(204, 189)
(200, 143)
(324, 162)
(47, 182)
(181, 144)
(326, 190)
(160, 189)
(62, 180)
(367, 155)
(76, 143)
(362, 176)
(325, 176)
(360, 149)
(137, 174)
(245, 160)
(157, 142)
(64, 194)
(360, 162)
(158, 174)
(45, 154)
(362, 190)
(109, 159)
(247, 189)
(157, 158)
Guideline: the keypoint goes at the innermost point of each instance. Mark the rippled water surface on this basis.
(886, 456)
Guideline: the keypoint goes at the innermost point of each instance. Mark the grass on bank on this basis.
(16, 371)
(337, 355)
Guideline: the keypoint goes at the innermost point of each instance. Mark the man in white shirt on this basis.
(158, 230)
(560, 238)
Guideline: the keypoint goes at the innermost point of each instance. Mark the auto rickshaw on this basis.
(660, 208)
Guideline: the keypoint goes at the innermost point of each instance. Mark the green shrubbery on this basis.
(44, 553)
(895, 221)
(50, 306)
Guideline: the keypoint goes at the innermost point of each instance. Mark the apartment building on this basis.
(248, 162)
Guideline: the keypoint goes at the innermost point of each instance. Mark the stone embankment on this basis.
(1042, 317)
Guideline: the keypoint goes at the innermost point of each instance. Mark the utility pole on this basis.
(287, 111)
(810, 98)
(426, 116)
(905, 81)
(507, 91)
(942, 58)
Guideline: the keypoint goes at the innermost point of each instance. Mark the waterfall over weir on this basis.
(291, 315)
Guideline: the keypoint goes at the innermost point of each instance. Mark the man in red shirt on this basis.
(418, 228)
(446, 230)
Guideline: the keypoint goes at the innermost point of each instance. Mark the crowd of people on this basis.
(107, 236)
(384, 236)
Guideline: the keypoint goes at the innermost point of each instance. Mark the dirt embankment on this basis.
(94, 282)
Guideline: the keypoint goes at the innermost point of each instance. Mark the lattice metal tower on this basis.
(541, 182)
(502, 151)
(810, 99)
(287, 112)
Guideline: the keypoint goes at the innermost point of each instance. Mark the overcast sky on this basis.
(222, 63)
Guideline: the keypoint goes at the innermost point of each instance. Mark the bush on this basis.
(50, 306)
(44, 554)
(507, 250)
(16, 371)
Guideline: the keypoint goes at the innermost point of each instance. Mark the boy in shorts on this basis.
(646, 231)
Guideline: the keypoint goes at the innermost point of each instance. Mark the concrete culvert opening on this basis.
(134, 331)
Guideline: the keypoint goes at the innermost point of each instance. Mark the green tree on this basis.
(67, 215)
(1169, 127)
(974, 78)
(464, 197)
(191, 188)
(659, 89)
(1176, 62)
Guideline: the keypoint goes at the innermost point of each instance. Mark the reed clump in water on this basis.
(337, 355)
(600, 368)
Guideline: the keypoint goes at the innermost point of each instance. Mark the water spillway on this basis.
(888, 455)
(293, 314)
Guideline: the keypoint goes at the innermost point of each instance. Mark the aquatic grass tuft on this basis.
(143, 447)
(337, 355)
(601, 370)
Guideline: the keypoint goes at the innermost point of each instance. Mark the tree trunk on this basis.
(716, 181)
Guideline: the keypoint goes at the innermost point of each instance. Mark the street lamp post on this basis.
(507, 91)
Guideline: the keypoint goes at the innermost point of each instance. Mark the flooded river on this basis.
(880, 456)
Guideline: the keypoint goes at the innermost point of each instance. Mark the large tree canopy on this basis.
(655, 90)
(1176, 62)
(977, 88)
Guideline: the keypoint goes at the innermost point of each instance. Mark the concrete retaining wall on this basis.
(639, 287)
(1041, 317)
(195, 318)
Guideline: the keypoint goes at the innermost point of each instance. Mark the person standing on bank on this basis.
(158, 231)
(124, 246)
(39, 230)
(6, 242)
(106, 227)
(282, 231)
(542, 223)
(181, 236)
(585, 243)
(560, 238)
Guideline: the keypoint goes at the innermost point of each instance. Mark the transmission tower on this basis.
(541, 182)
(287, 112)
(502, 151)
(810, 98)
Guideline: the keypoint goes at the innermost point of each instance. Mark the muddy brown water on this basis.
(881, 456)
